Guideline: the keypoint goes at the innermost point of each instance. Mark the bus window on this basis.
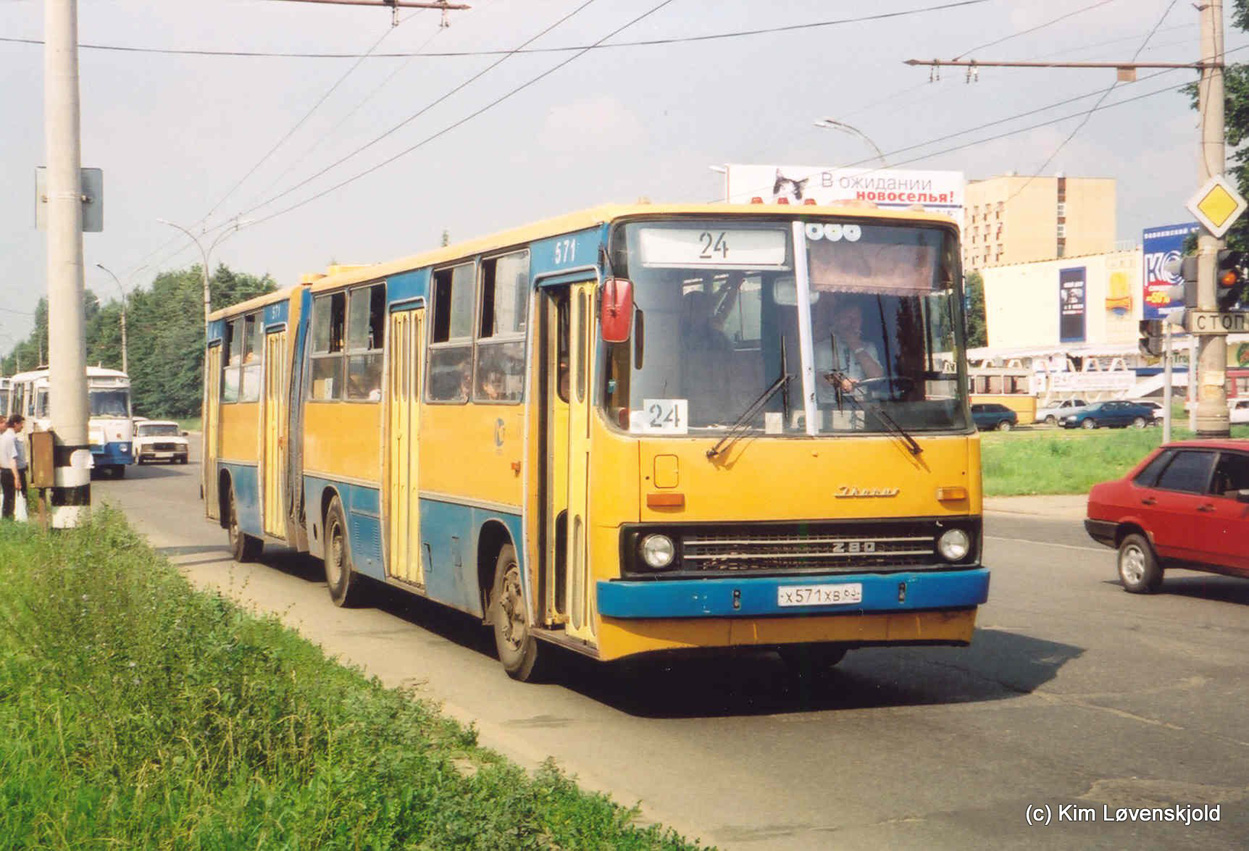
(233, 349)
(328, 315)
(451, 335)
(366, 329)
(501, 333)
(41, 404)
(253, 347)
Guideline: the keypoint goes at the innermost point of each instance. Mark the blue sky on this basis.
(175, 134)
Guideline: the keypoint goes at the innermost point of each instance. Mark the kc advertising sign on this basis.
(1161, 245)
(1071, 299)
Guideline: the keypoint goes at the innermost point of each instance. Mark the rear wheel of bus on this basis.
(340, 578)
(243, 547)
(518, 649)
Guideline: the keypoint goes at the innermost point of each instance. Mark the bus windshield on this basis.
(109, 403)
(718, 325)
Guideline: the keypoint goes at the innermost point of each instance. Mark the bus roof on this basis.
(92, 372)
(255, 302)
(594, 217)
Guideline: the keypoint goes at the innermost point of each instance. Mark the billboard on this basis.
(1160, 246)
(1071, 299)
(935, 191)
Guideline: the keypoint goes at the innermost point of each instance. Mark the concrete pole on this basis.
(1212, 418)
(1167, 357)
(67, 347)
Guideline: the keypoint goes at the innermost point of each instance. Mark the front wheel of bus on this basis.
(340, 578)
(518, 649)
(803, 660)
(243, 547)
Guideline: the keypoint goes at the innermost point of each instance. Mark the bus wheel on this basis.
(804, 660)
(518, 649)
(340, 578)
(243, 547)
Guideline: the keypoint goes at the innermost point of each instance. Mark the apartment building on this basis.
(1020, 219)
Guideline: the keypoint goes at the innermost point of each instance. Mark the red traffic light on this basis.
(1229, 278)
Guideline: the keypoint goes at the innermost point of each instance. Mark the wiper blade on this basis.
(838, 379)
(782, 382)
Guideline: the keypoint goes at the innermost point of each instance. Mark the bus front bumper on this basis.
(111, 454)
(752, 597)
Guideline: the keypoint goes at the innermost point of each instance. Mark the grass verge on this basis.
(137, 712)
(1061, 461)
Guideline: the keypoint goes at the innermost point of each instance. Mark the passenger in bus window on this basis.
(492, 386)
(705, 362)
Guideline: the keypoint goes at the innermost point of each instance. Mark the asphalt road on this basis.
(1074, 695)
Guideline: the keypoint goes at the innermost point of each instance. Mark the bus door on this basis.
(568, 340)
(212, 429)
(273, 435)
(403, 556)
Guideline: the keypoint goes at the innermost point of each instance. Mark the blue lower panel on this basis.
(361, 509)
(114, 453)
(246, 484)
(449, 535)
(757, 596)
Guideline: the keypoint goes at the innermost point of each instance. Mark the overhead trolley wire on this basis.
(569, 49)
(465, 119)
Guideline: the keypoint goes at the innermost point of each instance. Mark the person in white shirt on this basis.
(8, 465)
(16, 422)
(856, 359)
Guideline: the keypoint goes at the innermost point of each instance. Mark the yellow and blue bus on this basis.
(631, 429)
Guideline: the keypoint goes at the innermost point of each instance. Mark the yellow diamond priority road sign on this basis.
(1217, 205)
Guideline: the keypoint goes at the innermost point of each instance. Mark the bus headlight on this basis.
(954, 545)
(658, 551)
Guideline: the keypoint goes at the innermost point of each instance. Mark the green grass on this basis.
(136, 712)
(1061, 461)
(189, 424)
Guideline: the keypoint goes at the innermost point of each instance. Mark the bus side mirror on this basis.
(616, 310)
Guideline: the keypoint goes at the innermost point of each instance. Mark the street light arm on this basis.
(834, 124)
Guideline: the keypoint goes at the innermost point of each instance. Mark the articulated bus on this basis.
(632, 429)
(109, 427)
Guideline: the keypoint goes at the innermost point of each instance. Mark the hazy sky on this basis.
(184, 137)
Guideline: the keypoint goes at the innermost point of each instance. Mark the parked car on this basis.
(1156, 407)
(159, 440)
(1052, 413)
(990, 415)
(1186, 505)
(1238, 413)
(1112, 414)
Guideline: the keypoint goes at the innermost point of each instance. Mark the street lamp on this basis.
(233, 228)
(834, 124)
(125, 296)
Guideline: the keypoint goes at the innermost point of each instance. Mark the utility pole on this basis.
(67, 350)
(1212, 414)
(205, 253)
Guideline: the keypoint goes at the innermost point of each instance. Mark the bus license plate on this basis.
(820, 595)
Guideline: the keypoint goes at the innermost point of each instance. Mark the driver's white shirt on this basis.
(847, 363)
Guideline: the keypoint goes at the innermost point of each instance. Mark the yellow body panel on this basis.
(754, 479)
(240, 432)
(343, 440)
(275, 395)
(619, 638)
(212, 430)
(477, 446)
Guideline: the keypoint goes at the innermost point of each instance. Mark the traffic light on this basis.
(1151, 338)
(1231, 282)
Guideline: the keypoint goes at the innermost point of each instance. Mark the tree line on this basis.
(164, 332)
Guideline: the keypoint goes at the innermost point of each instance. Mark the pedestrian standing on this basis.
(16, 423)
(8, 470)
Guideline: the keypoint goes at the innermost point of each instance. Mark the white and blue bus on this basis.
(110, 428)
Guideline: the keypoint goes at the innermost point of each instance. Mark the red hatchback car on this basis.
(1186, 505)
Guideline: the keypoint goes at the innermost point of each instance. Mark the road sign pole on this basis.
(1166, 387)
(1212, 417)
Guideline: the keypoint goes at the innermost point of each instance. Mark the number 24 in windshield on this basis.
(713, 244)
